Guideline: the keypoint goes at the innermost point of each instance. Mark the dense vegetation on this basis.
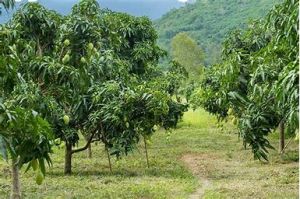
(208, 22)
(257, 80)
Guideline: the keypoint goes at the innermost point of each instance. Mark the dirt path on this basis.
(193, 162)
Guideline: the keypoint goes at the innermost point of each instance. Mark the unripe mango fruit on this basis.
(66, 59)
(234, 121)
(90, 46)
(34, 164)
(66, 119)
(39, 178)
(67, 42)
(83, 60)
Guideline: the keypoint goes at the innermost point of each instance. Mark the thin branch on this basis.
(95, 140)
(86, 145)
(281, 152)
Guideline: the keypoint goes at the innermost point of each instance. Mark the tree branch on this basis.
(86, 145)
(96, 140)
(103, 138)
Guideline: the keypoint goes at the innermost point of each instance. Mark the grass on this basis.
(198, 119)
(221, 157)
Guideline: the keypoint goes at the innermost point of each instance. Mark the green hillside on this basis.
(208, 21)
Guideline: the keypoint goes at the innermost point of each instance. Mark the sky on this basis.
(151, 8)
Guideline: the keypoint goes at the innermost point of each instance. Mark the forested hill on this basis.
(208, 21)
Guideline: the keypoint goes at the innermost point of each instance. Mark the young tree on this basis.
(25, 135)
(22, 127)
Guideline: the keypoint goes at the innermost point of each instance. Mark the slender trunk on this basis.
(16, 190)
(108, 157)
(89, 151)
(281, 137)
(146, 151)
(68, 159)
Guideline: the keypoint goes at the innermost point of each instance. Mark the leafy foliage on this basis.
(252, 80)
(6, 4)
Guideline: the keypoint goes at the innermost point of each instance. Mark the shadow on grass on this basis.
(127, 173)
(290, 156)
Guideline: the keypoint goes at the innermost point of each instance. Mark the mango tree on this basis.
(251, 82)
(134, 102)
(25, 135)
(72, 57)
(65, 63)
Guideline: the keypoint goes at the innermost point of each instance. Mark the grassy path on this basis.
(192, 162)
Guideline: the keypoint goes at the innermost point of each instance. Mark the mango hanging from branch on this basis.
(66, 59)
(67, 42)
(39, 178)
(83, 60)
(66, 119)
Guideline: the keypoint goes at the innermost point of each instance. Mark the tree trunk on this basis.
(281, 137)
(146, 151)
(16, 190)
(178, 99)
(89, 151)
(108, 157)
(68, 159)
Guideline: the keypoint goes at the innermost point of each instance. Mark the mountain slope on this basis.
(208, 21)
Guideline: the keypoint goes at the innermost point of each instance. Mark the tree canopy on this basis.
(92, 71)
(257, 81)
